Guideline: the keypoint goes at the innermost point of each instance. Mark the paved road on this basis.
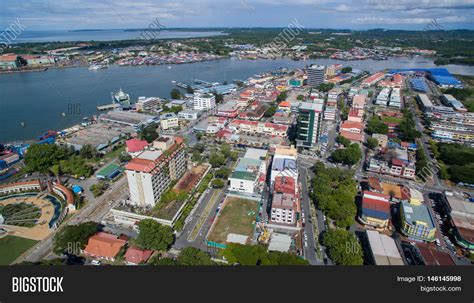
(310, 249)
(44, 248)
(182, 240)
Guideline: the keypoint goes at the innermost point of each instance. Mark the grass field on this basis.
(391, 119)
(237, 217)
(12, 247)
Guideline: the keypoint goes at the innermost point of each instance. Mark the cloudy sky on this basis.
(356, 14)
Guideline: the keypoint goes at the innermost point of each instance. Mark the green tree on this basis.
(218, 183)
(343, 140)
(149, 132)
(72, 237)
(225, 150)
(189, 89)
(343, 247)
(153, 235)
(372, 143)
(376, 126)
(334, 192)
(346, 70)
(216, 160)
(282, 97)
(325, 87)
(40, 157)
(88, 152)
(223, 173)
(193, 256)
(300, 97)
(175, 94)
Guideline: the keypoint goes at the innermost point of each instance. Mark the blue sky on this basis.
(356, 14)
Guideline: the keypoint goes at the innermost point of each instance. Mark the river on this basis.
(39, 98)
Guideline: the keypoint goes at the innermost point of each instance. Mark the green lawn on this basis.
(391, 119)
(12, 247)
(237, 217)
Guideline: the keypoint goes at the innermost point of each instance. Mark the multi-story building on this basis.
(284, 209)
(308, 124)
(204, 102)
(315, 75)
(147, 104)
(188, 114)
(246, 176)
(150, 174)
(169, 120)
(416, 221)
(461, 214)
(375, 210)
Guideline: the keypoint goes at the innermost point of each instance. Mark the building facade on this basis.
(150, 174)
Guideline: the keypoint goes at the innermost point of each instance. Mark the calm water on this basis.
(103, 35)
(40, 98)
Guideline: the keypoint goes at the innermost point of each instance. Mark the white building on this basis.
(169, 120)
(150, 174)
(188, 114)
(204, 102)
(284, 207)
(146, 104)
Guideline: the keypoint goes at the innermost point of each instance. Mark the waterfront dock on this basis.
(108, 106)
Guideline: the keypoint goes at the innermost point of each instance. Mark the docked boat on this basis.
(97, 66)
(122, 98)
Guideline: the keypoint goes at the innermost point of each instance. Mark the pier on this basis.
(108, 106)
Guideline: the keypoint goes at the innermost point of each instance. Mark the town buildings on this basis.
(150, 174)
(416, 221)
(205, 102)
(375, 210)
(461, 213)
(169, 120)
(104, 246)
(315, 75)
(308, 124)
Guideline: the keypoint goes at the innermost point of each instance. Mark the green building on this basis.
(308, 124)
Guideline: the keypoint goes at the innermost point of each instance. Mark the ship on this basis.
(122, 98)
(97, 66)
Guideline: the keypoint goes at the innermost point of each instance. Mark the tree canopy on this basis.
(149, 132)
(349, 156)
(46, 158)
(73, 237)
(407, 128)
(376, 126)
(193, 256)
(343, 247)
(258, 255)
(153, 235)
(334, 192)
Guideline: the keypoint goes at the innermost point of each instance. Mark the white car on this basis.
(96, 263)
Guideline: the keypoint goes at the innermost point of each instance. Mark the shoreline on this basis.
(46, 68)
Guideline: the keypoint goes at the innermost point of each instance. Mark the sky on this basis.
(338, 14)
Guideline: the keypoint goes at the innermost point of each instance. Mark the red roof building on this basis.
(136, 145)
(103, 245)
(357, 137)
(136, 255)
(285, 185)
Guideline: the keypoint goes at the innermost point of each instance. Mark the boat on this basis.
(97, 66)
(122, 98)
(63, 114)
(23, 124)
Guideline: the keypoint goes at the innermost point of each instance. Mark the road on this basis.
(91, 212)
(199, 242)
(310, 249)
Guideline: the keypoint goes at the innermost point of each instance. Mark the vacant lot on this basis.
(12, 247)
(237, 217)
